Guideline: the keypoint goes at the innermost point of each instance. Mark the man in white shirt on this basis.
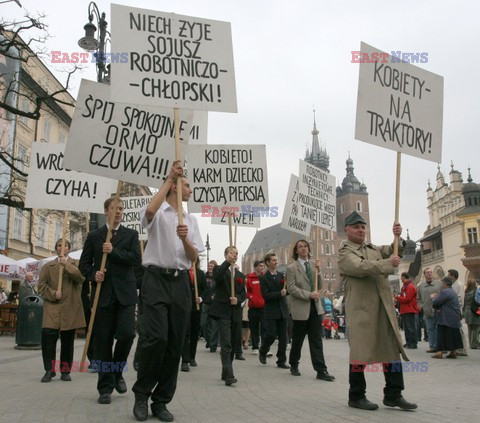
(166, 297)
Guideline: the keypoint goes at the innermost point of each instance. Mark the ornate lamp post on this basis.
(207, 247)
(97, 44)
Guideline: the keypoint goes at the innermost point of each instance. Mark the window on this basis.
(24, 107)
(42, 232)
(327, 236)
(18, 225)
(342, 208)
(58, 231)
(359, 206)
(472, 235)
(329, 264)
(47, 127)
(22, 157)
(61, 138)
(327, 249)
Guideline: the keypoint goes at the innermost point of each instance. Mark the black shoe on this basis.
(65, 377)
(140, 410)
(363, 404)
(283, 365)
(263, 358)
(411, 347)
(230, 381)
(185, 367)
(325, 376)
(399, 402)
(239, 357)
(213, 349)
(160, 411)
(104, 398)
(53, 374)
(193, 363)
(120, 385)
(47, 377)
(294, 371)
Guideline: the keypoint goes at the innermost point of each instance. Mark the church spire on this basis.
(317, 156)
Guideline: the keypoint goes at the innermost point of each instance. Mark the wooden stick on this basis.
(142, 247)
(195, 285)
(178, 156)
(232, 269)
(64, 235)
(111, 221)
(397, 201)
(235, 237)
(317, 240)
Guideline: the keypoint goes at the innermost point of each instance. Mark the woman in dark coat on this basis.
(471, 319)
(448, 317)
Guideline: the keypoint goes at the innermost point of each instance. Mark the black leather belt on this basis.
(166, 270)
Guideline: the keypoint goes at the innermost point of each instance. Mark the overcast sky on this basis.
(291, 57)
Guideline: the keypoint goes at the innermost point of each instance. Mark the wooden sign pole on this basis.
(317, 246)
(178, 156)
(397, 201)
(195, 285)
(64, 236)
(232, 270)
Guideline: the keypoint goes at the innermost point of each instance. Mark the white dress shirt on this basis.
(164, 247)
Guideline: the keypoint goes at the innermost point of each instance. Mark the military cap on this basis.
(353, 218)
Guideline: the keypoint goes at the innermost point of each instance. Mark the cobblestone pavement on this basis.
(446, 392)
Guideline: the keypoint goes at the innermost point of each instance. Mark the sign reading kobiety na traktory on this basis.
(399, 106)
(173, 60)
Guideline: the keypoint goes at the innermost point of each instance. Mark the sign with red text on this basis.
(51, 186)
(173, 60)
(399, 106)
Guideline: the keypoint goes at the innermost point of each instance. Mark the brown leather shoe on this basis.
(438, 354)
(452, 354)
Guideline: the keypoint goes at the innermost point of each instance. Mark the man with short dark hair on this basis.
(115, 314)
(306, 309)
(424, 297)
(166, 295)
(274, 292)
(256, 305)
(62, 311)
(373, 333)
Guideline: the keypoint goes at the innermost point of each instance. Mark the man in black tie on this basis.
(115, 315)
(307, 310)
(274, 292)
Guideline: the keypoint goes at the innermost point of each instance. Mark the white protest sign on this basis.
(122, 141)
(399, 106)
(292, 219)
(251, 219)
(173, 60)
(317, 197)
(131, 214)
(199, 130)
(227, 175)
(51, 186)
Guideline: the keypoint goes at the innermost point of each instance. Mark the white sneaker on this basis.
(269, 354)
(255, 352)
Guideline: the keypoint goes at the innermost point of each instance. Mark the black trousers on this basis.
(410, 329)
(189, 351)
(49, 349)
(393, 381)
(210, 328)
(276, 328)
(313, 328)
(256, 321)
(166, 311)
(115, 321)
(230, 339)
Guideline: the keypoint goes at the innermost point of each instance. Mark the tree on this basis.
(22, 97)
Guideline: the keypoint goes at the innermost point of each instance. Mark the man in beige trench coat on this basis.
(373, 333)
(62, 311)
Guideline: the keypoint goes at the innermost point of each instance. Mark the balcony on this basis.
(436, 255)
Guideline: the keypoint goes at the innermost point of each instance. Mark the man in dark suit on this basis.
(307, 311)
(274, 291)
(226, 309)
(115, 315)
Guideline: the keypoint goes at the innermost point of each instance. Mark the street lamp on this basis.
(207, 247)
(97, 44)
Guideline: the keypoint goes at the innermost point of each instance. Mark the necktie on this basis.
(114, 232)
(308, 271)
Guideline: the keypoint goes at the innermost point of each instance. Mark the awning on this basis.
(430, 235)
